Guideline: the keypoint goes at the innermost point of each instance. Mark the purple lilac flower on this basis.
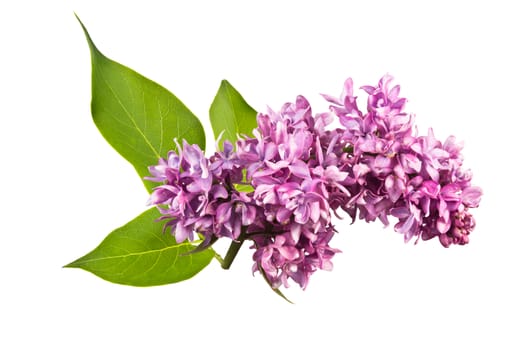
(300, 171)
(280, 257)
(234, 214)
(298, 175)
(184, 194)
(417, 179)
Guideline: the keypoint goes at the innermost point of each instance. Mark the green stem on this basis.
(218, 257)
(234, 248)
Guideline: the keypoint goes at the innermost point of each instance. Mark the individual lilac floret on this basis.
(234, 214)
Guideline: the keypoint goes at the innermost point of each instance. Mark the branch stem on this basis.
(233, 250)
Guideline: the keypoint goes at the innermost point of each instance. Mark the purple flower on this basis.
(299, 169)
(226, 161)
(282, 257)
(234, 214)
(432, 154)
(417, 179)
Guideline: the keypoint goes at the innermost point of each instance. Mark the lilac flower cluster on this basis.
(280, 188)
(417, 179)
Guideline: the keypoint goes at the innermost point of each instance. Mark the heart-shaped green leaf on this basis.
(230, 114)
(138, 254)
(138, 117)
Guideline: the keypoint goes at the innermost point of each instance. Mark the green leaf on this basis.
(244, 188)
(275, 290)
(138, 254)
(230, 114)
(138, 117)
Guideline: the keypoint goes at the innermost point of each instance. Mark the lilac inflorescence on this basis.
(281, 188)
(416, 179)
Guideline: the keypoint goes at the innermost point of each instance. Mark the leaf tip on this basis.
(72, 264)
(92, 46)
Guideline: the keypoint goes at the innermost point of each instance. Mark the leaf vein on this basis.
(122, 256)
(128, 114)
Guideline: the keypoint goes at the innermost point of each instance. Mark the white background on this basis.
(63, 188)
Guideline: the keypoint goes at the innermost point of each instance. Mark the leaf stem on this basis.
(218, 257)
